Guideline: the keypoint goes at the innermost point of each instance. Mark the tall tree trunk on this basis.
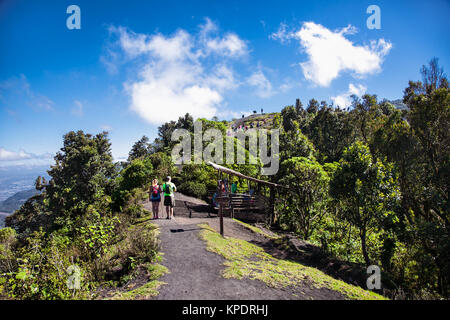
(362, 235)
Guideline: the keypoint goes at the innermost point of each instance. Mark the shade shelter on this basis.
(234, 202)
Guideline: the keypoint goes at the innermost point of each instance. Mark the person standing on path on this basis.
(234, 187)
(155, 198)
(169, 197)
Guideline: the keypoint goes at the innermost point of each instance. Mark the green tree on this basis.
(137, 175)
(313, 106)
(140, 149)
(164, 141)
(185, 122)
(307, 198)
(294, 143)
(197, 179)
(367, 116)
(162, 165)
(289, 116)
(165, 135)
(298, 107)
(433, 76)
(82, 177)
(366, 189)
(429, 117)
(396, 141)
(331, 132)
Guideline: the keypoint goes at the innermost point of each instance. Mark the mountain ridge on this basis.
(15, 201)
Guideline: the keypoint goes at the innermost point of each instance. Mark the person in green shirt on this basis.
(169, 196)
(234, 187)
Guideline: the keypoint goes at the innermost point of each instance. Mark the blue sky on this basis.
(134, 64)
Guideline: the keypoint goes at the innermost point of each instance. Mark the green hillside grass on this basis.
(250, 261)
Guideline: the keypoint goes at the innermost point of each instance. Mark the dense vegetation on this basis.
(369, 185)
(87, 221)
(386, 202)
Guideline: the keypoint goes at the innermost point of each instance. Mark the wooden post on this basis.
(224, 200)
(272, 205)
(221, 218)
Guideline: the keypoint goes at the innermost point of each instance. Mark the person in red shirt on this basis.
(155, 198)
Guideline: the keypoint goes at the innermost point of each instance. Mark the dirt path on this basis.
(196, 273)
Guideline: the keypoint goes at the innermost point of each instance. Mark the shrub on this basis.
(140, 246)
(134, 177)
(194, 189)
(41, 271)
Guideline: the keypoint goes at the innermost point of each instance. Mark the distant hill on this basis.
(15, 201)
(264, 121)
(399, 104)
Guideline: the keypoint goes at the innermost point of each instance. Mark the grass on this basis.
(142, 225)
(246, 260)
(149, 289)
(256, 230)
(154, 270)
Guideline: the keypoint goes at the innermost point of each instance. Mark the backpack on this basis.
(167, 188)
(155, 191)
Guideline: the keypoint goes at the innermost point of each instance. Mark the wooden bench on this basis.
(188, 208)
(199, 208)
(246, 203)
(240, 202)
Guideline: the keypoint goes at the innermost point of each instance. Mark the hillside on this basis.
(14, 202)
(398, 103)
(255, 120)
(265, 120)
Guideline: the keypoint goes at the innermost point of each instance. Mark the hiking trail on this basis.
(196, 273)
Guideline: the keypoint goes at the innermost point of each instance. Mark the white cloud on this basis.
(21, 157)
(118, 159)
(288, 84)
(282, 34)
(6, 155)
(110, 59)
(207, 28)
(330, 52)
(229, 114)
(285, 87)
(179, 73)
(262, 84)
(106, 127)
(17, 91)
(230, 45)
(77, 110)
(344, 100)
(222, 78)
